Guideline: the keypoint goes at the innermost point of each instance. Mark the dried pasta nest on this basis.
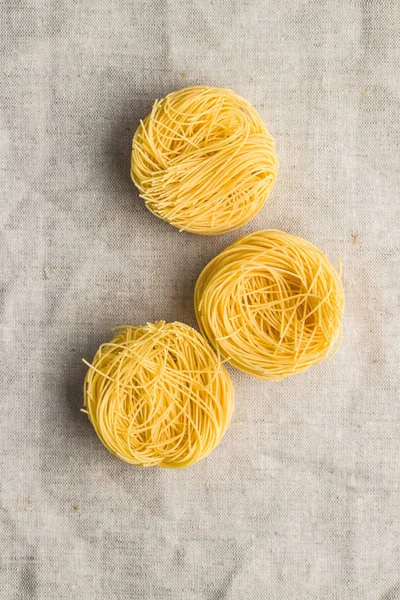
(271, 304)
(203, 160)
(158, 395)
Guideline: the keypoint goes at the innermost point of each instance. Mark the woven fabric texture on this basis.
(301, 501)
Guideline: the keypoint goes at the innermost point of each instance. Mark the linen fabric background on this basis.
(301, 500)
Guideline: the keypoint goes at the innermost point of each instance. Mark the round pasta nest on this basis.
(158, 395)
(203, 160)
(271, 304)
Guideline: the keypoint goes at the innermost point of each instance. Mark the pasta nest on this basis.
(158, 395)
(203, 160)
(271, 304)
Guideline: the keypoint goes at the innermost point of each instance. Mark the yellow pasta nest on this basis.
(203, 160)
(158, 395)
(271, 304)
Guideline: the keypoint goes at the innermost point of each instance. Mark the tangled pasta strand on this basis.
(158, 395)
(271, 304)
(203, 160)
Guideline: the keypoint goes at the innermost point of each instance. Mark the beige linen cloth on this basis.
(301, 501)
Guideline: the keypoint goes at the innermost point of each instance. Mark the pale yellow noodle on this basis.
(271, 304)
(203, 160)
(158, 395)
